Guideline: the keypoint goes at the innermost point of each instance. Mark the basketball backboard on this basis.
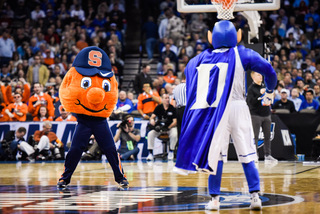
(193, 6)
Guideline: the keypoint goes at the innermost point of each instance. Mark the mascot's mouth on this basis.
(86, 108)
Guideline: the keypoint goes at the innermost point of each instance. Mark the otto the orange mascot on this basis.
(90, 90)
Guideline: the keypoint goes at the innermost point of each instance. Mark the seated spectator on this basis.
(14, 147)
(40, 99)
(124, 105)
(288, 81)
(129, 137)
(3, 116)
(301, 88)
(5, 75)
(65, 116)
(48, 58)
(163, 119)
(162, 68)
(77, 13)
(316, 89)
(162, 91)
(295, 98)
(115, 40)
(37, 13)
(93, 152)
(284, 103)
(186, 49)
(169, 88)
(18, 110)
(21, 87)
(88, 26)
(173, 48)
(169, 77)
(301, 53)
(296, 31)
(48, 37)
(183, 61)
(147, 101)
(294, 75)
(177, 81)
(134, 101)
(54, 70)
(114, 29)
(312, 13)
(170, 54)
(308, 79)
(277, 92)
(100, 20)
(51, 91)
(43, 115)
(309, 102)
(47, 144)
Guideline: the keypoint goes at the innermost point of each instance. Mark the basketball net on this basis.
(224, 8)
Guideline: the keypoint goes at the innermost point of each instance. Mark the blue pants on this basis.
(251, 173)
(100, 129)
(150, 45)
(126, 153)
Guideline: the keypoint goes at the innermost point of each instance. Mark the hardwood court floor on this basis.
(288, 187)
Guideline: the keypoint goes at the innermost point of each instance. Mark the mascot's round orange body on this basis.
(93, 96)
(90, 90)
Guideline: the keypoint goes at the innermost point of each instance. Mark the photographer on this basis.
(47, 144)
(166, 122)
(129, 137)
(93, 152)
(14, 142)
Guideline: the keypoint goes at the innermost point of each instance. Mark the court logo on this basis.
(136, 199)
(261, 135)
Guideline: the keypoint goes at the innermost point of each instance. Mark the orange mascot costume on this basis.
(90, 90)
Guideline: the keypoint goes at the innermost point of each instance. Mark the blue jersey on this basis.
(210, 78)
(126, 102)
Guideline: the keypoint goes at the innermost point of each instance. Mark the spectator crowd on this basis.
(40, 39)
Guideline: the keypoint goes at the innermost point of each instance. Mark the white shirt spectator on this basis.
(296, 32)
(35, 15)
(78, 13)
(297, 102)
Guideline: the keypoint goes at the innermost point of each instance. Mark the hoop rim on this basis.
(184, 8)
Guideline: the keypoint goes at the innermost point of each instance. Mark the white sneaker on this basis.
(170, 156)
(214, 204)
(150, 157)
(269, 159)
(255, 202)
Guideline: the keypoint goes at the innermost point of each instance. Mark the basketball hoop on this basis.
(225, 8)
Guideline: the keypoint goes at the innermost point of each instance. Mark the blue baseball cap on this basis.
(91, 61)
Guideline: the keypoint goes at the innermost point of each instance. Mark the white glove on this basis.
(267, 98)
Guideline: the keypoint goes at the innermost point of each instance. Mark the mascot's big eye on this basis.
(106, 85)
(85, 82)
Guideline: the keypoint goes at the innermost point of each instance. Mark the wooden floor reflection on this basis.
(19, 181)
